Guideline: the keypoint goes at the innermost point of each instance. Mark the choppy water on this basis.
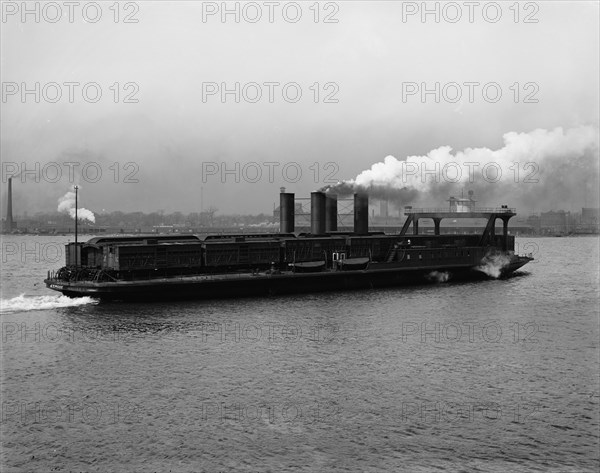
(490, 376)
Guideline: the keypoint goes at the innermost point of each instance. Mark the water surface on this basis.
(499, 375)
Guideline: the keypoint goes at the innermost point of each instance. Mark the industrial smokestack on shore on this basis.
(286, 211)
(331, 210)
(361, 214)
(317, 213)
(9, 214)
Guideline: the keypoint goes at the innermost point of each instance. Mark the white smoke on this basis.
(492, 265)
(66, 204)
(564, 167)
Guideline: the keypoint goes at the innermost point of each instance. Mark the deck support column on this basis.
(436, 223)
(415, 225)
(505, 233)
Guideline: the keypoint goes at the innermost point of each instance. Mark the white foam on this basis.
(24, 303)
(492, 265)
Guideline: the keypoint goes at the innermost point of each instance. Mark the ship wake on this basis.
(23, 303)
(492, 265)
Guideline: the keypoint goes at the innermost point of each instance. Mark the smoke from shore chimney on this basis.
(66, 204)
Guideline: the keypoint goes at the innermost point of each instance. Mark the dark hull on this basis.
(248, 285)
(516, 263)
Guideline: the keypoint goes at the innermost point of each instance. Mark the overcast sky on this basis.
(177, 138)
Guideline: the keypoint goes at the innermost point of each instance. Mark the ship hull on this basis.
(264, 284)
(515, 264)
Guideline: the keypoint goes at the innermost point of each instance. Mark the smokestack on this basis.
(9, 215)
(361, 214)
(286, 212)
(317, 213)
(331, 210)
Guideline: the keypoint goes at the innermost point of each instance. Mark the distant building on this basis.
(462, 204)
(590, 220)
(534, 222)
(8, 227)
(590, 216)
(383, 208)
(301, 215)
(555, 221)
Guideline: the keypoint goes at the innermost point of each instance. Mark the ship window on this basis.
(407, 256)
(420, 256)
(468, 253)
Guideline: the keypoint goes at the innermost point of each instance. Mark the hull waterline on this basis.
(264, 284)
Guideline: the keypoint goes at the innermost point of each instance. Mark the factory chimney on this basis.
(9, 214)
(361, 214)
(286, 211)
(317, 213)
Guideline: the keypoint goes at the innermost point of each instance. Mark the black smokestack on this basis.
(361, 214)
(331, 210)
(286, 212)
(317, 213)
(9, 214)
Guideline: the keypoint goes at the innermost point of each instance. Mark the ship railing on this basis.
(98, 275)
(458, 212)
(199, 276)
(75, 274)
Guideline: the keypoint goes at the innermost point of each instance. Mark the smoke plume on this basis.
(542, 168)
(66, 204)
